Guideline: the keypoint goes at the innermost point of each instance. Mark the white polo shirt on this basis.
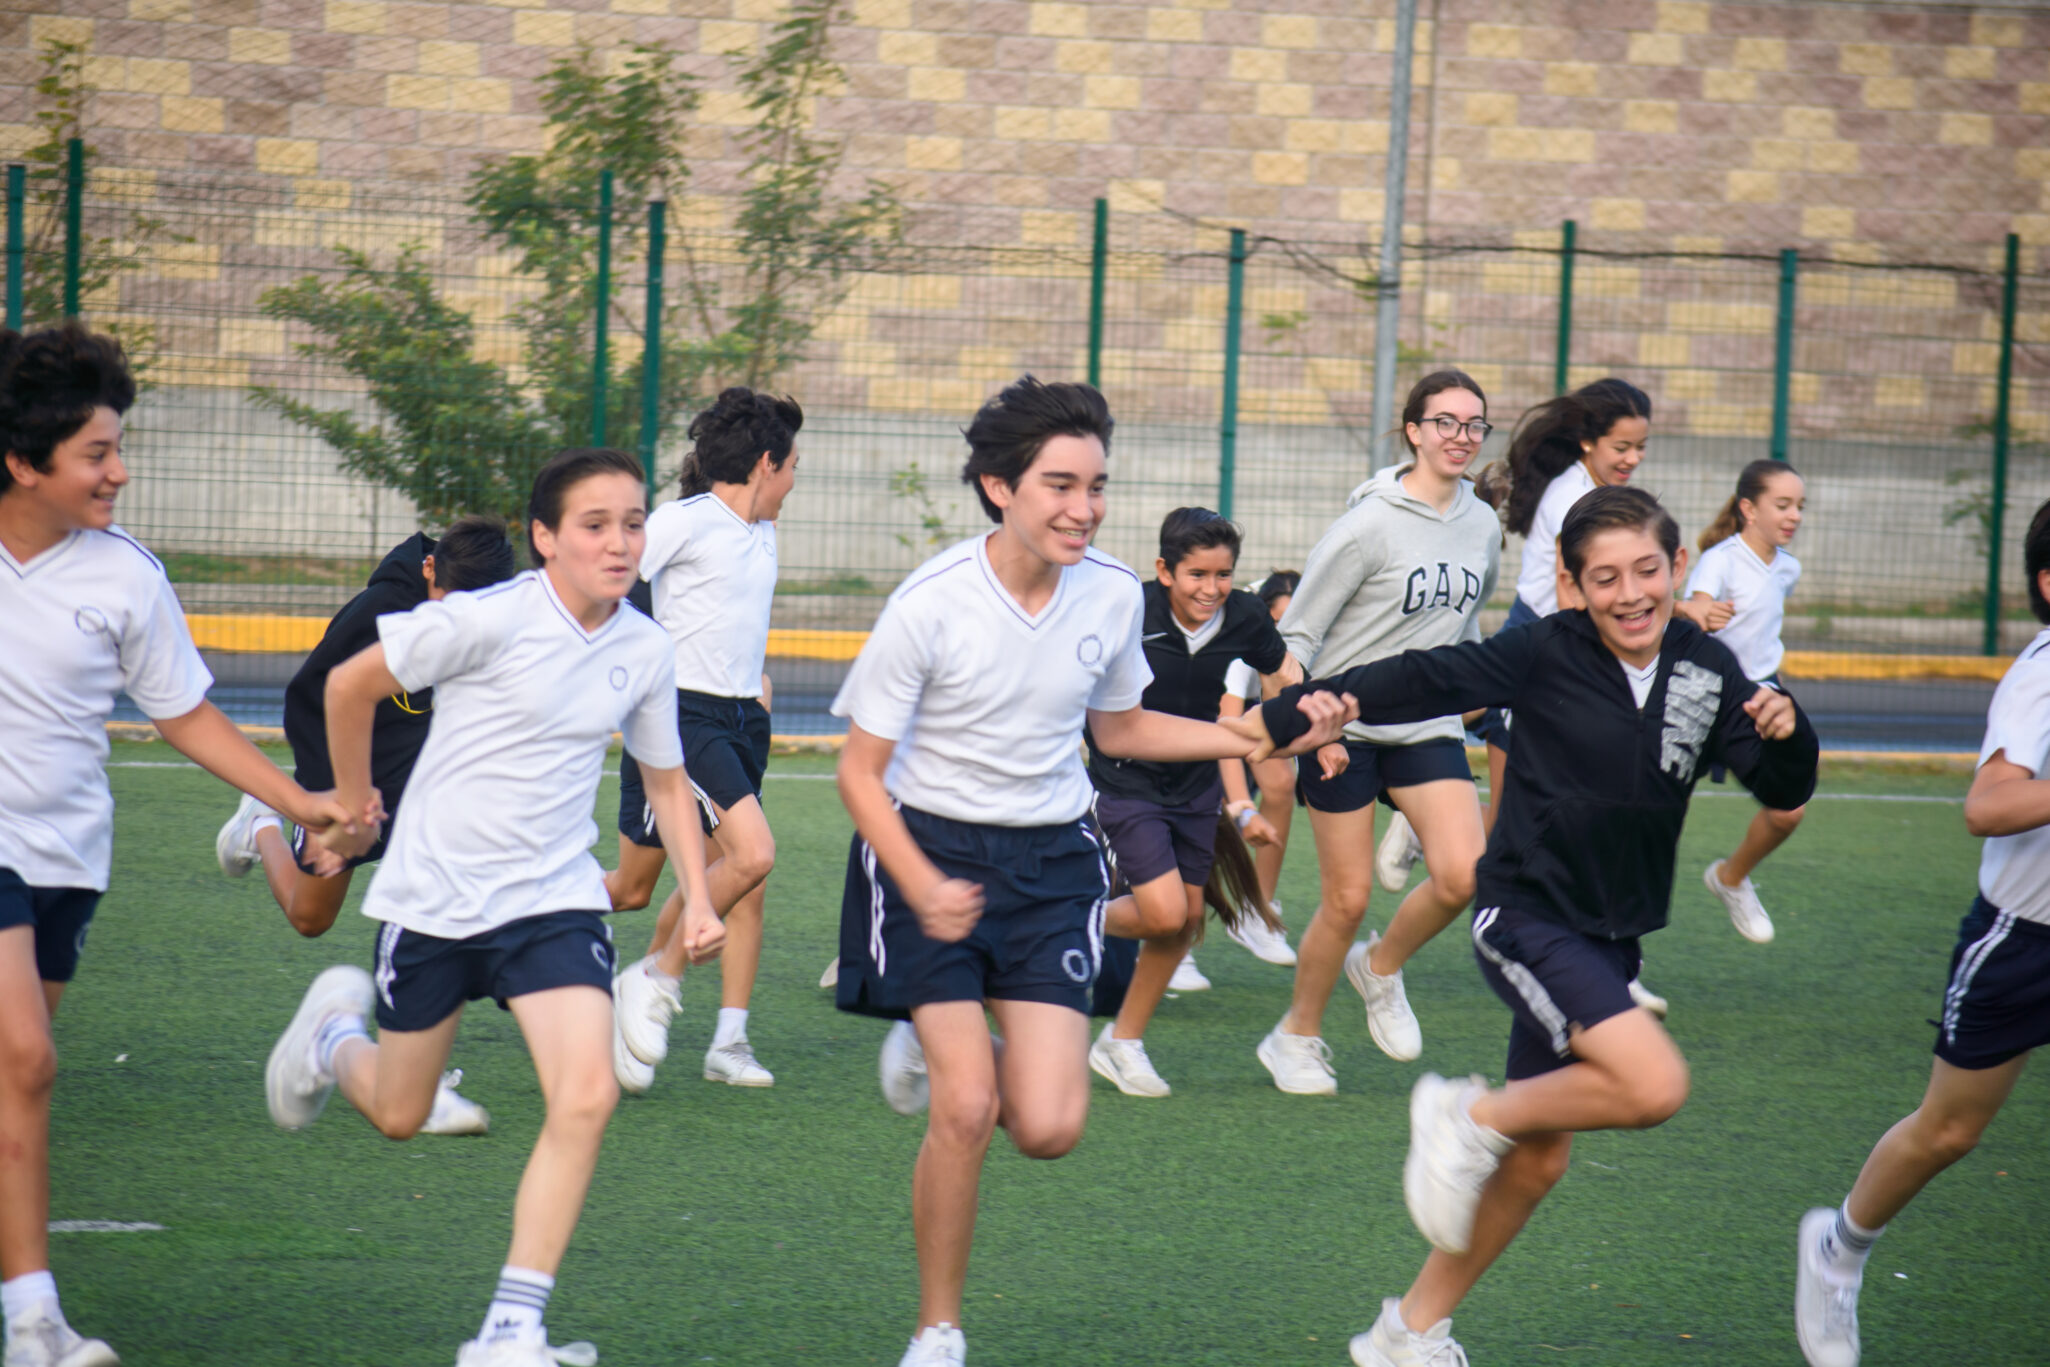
(81, 623)
(1536, 583)
(2014, 870)
(1731, 572)
(986, 704)
(497, 822)
(713, 575)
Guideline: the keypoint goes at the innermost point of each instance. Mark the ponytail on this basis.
(1548, 440)
(1751, 482)
(1233, 891)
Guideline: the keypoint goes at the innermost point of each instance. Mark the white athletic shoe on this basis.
(235, 846)
(1301, 1064)
(47, 1341)
(1825, 1310)
(1268, 946)
(1450, 1159)
(634, 1077)
(1391, 1343)
(1398, 854)
(831, 977)
(1123, 1062)
(1389, 1019)
(941, 1345)
(1187, 977)
(1648, 999)
(1747, 913)
(295, 1086)
(453, 1112)
(524, 1352)
(642, 1009)
(902, 1068)
(735, 1065)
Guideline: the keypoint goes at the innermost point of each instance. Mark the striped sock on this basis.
(333, 1033)
(517, 1308)
(1846, 1244)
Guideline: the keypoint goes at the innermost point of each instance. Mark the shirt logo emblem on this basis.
(1089, 650)
(92, 621)
(618, 678)
(1693, 697)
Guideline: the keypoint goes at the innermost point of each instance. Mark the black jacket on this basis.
(400, 728)
(1187, 686)
(1589, 816)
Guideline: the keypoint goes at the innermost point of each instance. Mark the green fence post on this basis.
(1997, 510)
(74, 221)
(599, 360)
(1228, 422)
(651, 355)
(1099, 253)
(1566, 232)
(1783, 354)
(17, 195)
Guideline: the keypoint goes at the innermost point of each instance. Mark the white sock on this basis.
(1846, 1244)
(276, 823)
(665, 979)
(732, 1027)
(23, 1297)
(517, 1308)
(334, 1032)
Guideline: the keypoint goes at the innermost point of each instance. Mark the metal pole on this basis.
(1783, 354)
(1099, 253)
(599, 361)
(1559, 362)
(651, 354)
(74, 221)
(17, 195)
(1997, 511)
(1228, 421)
(1388, 317)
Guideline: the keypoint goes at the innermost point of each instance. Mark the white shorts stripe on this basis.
(877, 953)
(1096, 913)
(1526, 984)
(706, 805)
(387, 971)
(1968, 965)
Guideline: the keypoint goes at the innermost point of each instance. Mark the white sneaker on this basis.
(1398, 853)
(831, 977)
(1391, 1343)
(941, 1345)
(642, 1008)
(1747, 913)
(47, 1341)
(634, 1077)
(296, 1087)
(525, 1352)
(1648, 999)
(1187, 977)
(1825, 1309)
(1268, 946)
(1301, 1064)
(1389, 1019)
(453, 1112)
(1450, 1160)
(1123, 1062)
(235, 846)
(735, 1065)
(902, 1068)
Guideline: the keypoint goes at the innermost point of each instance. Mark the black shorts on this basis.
(1997, 1006)
(369, 856)
(1377, 768)
(725, 751)
(60, 917)
(1552, 979)
(1148, 841)
(422, 979)
(1040, 938)
(1495, 722)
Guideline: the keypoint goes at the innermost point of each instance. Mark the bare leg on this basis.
(1345, 872)
(392, 1080)
(1528, 1172)
(28, 1073)
(1159, 954)
(1276, 778)
(1042, 1076)
(1955, 1111)
(631, 886)
(961, 1066)
(741, 959)
(1629, 1076)
(569, 1034)
(1768, 831)
(1446, 817)
(1498, 765)
(742, 851)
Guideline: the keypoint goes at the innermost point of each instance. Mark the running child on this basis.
(1619, 708)
(711, 567)
(974, 880)
(1996, 1010)
(1266, 829)
(86, 614)
(1408, 566)
(1162, 820)
(1739, 592)
(488, 888)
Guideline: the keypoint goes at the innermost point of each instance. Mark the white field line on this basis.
(103, 1227)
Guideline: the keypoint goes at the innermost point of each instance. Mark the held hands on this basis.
(347, 833)
(1772, 712)
(948, 909)
(1328, 713)
(704, 934)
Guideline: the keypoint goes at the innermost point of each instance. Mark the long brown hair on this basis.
(1548, 441)
(1234, 887)
(1751, 482)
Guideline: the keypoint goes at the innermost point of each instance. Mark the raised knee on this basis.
(1156, 922)
(1658, 1099)
(756, 861)
(30, 1064)
(1536, 1166)
(400, 1127)
(1784, 822)
(631, 898)
(1046, 1141)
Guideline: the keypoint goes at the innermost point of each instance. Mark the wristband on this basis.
(1244, 817)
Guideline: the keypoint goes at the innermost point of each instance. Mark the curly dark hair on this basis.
(1008, 431)
(730, 436)
(51, 382)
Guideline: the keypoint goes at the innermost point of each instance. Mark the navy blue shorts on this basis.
(60, 917)
(1552, 979)
(725, 752)
(1493, 726)
(1377, 768)
(423, 979)
(1997, 1006)
(1040, 938)
(1149, 841)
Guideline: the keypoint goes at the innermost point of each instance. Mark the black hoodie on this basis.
(1587, 825)
(400, 728)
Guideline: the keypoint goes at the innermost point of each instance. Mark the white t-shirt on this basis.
(1199, 636)
(1536, 583)
(497, 822)
(1241, 680)
(986, 704)
(79, 624)
(1640, 680)
(2014, 870)
(1731, 572)
(713, 575)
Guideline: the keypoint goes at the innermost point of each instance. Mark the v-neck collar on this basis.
(1029, 621)
(555, 601)
(41, 559)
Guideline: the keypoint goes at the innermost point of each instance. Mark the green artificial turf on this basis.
(1228, 1224)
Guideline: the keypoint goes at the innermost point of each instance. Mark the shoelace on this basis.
(1439, 1352)
(452, 1079)
(1839, 1310)
(1315, 1047)
(740, 1052)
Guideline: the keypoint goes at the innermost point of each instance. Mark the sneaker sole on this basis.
(340, 986)
(232, 864)
(1284, 957)
(1109, 1074)
(1815, 1220)
(1373, 1025)
(1264, 1051)
(90, 1353)
(633, 1076)
(711, 1076)
(620, 1016)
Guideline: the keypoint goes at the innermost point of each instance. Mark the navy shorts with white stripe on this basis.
(422, 979)
(1997, 1006)
(1552, 979)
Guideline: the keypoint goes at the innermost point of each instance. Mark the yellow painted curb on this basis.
(1847, 664)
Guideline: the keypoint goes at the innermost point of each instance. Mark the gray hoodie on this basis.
(1394, 574)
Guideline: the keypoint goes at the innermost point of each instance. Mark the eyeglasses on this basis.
(1449, 427)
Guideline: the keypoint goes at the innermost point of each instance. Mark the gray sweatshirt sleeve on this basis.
(1333, 573)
